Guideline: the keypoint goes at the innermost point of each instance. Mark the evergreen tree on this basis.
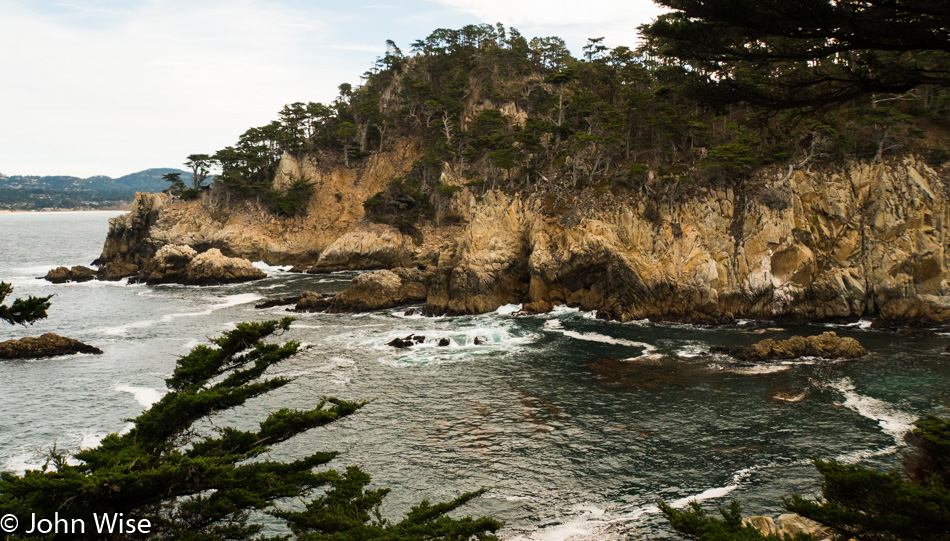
(858, 502)
(22, 311)
(806, 53)
(195, 485)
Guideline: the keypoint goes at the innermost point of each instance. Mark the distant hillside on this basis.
(63, 192)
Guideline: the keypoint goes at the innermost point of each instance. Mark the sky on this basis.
(112, 87)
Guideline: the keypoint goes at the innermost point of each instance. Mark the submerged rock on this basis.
(61, 275)
(827, 345)
(46, 345)
(479, 340)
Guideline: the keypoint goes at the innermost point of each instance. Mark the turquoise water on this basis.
(577, 426)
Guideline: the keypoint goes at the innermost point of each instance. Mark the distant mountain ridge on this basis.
(31, 192)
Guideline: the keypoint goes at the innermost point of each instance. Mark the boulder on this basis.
(479, 340)
(765, 525)
(61, 275)
(443, 342)
(793, 524)
(46, 345)
(400, 343)
(382, 289)
(311, 301)
(827, 345)
(183, 265)
(214, 268)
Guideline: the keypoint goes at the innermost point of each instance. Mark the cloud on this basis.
(134, 88)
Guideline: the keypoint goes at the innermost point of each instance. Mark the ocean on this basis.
(577, 426)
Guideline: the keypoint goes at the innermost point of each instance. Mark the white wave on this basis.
(588, 524)
(508, 309)
(555, 325)
(271, 269)
(857, 456)
(893, 422)
(146, 396)
(595, 524)
(91, 439)
(19, 464)
(757, 369)
(229, 301)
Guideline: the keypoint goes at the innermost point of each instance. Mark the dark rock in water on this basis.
(47, 345)
(410, 312)
(479, 340)
(61, 275)
(400, 343)
(418, 338)
(279, 301)
(444, 342)
(827, 345)
(114, 271)
(311, 301)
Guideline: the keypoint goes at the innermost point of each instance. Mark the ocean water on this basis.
(577, 426)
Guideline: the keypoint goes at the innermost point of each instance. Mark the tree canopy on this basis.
(196, 480)
(806, 53)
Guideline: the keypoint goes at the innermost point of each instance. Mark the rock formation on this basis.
(789, 524)
(863, 240)
(827, 345)
(79, 273)
(183, 265)
(46, 345)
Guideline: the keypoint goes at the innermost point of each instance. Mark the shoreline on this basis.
(11, 211)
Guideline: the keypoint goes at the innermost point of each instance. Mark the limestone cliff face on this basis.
(866, 241)
(861, 241)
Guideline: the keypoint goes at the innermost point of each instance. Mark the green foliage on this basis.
(695, 523)
(176, 184)
(447, 189)
(293, 201)
(22, 311)
(807, 53)
(196, 483)
(200, 169)
(861, 503)
(401, 204)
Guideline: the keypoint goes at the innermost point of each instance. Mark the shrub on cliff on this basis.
(858, 502)
(292, 202)
(192, 482)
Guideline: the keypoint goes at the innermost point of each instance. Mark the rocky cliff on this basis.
(840, 242)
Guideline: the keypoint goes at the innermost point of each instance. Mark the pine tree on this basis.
(22, 311)
(195, 485)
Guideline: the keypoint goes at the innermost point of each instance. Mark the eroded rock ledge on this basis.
(46, 345)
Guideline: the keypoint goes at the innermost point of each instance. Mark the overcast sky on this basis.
(111, 87)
